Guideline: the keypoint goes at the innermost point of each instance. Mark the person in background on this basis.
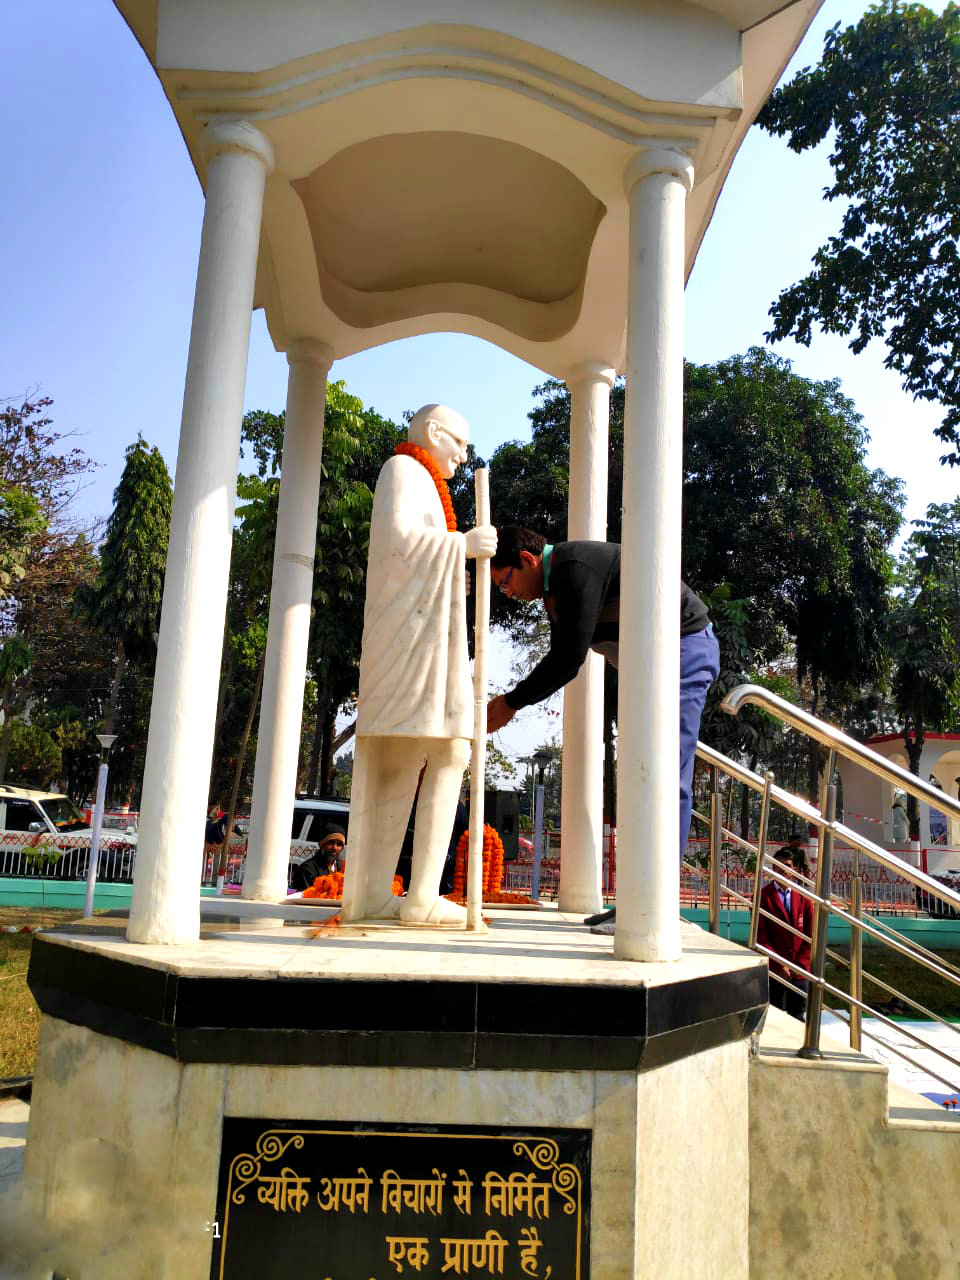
(216, 825)
(900, 822)
(782, 906)
(327, 859)
(332, 845)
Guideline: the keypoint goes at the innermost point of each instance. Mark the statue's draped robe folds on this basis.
(414, 665)
(414, 668)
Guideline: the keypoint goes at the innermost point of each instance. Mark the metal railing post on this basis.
(716, 825)
(856, 954)
(821, 914)
(758, 871)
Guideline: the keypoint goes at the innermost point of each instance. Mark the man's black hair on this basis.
(511, 540)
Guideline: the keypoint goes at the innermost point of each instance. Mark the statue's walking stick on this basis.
(478, 758)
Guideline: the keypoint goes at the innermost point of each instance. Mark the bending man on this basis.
(579, 583)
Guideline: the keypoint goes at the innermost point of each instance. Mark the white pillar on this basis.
(648, 748)
(291, 591)
(166, 885)
(581, 813)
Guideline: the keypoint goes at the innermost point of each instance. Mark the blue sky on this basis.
(100, 226)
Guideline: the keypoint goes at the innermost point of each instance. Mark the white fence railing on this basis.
(43, 856)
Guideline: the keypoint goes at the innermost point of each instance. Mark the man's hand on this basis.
(498, 713)
(481, 542)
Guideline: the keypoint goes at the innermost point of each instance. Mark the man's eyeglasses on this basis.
(505, 581)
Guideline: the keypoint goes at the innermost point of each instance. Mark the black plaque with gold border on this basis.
(372, 1201)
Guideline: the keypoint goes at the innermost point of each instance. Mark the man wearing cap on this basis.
(326, 860)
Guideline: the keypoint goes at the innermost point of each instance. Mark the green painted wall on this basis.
(36, 894)
(938, 935)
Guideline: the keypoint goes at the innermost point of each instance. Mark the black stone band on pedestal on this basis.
(314, 1021)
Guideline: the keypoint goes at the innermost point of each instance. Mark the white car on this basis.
(31, 820)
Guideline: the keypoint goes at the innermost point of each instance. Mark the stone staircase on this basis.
(851, 1175)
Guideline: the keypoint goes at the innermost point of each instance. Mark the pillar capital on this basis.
(669, 160)
(310, 351)
(237, 136)
(590, 371)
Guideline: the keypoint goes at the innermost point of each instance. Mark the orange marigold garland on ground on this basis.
(492, 863)
(426, 460)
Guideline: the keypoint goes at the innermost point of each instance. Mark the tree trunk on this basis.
(914, 745)
(345, 735)
(224, 698)
(238, 772)
(115, 688)
(6, 702)
(745, 794)
(326, 752)
(322, 699)
(609, 765)
(815, 754)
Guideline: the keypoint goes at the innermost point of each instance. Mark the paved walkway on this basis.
(929, 1073)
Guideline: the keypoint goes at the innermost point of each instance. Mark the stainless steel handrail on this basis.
(829, 832)
(838, 741)
(803, 809)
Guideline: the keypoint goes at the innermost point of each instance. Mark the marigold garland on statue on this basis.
(492, 863)
(426, 460)
(331, 886)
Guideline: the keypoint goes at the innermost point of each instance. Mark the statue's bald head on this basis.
(446, 418)
(444, 434)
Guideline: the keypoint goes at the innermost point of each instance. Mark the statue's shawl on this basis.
(414, 667)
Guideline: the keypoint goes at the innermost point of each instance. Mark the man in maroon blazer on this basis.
(784, 905)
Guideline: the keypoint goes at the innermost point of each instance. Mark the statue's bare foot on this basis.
(388, 910)
(440, 911)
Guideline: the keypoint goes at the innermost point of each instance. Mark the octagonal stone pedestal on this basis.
(147, 1051)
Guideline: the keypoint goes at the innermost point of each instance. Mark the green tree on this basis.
(778, 503)
(21, 523)
(552, 786)
(34, 459)
(58, 658)
(356, 443)
(887, 92)
(246, 628)
(35, 756)
(124, 602)
(16, 658)
(44, 653)
(925, 634)
(797, 524)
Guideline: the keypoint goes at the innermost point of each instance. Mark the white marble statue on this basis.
(415, 708)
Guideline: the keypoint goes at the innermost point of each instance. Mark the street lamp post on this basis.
(540, 760)
(106, 741)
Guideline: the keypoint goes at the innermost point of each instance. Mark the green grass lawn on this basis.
(907, 976)
(19, 1016)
